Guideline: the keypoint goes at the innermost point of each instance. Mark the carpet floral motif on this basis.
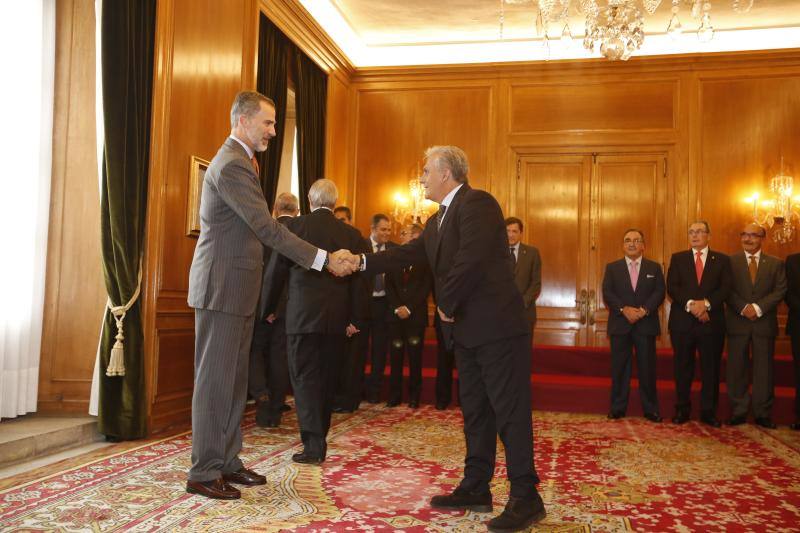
(384, 465)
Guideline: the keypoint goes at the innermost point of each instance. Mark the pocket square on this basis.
(651, 276)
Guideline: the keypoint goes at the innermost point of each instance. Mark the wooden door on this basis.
(575, 209)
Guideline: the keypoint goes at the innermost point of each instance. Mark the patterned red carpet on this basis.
(385, 464)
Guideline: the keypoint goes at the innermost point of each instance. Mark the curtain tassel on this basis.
(116, 363)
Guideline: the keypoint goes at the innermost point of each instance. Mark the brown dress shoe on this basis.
(243, 476)
(217, 489)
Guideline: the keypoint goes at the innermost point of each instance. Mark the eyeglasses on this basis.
(697, 231)
(751, 235)
(633, 241)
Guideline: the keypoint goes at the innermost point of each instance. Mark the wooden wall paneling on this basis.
(394, 128)
(582, 106)
(337, 145)
(74, 289)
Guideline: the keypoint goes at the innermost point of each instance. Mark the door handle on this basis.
(591, 307)
(582, 303)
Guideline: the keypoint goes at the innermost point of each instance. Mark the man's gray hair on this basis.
(323, 193)
(247, 103)
(451, 157)
(286, 204)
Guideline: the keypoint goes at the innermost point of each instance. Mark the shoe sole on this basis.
(193, 491)
(532, 520)
(478, 508)
(247, 483)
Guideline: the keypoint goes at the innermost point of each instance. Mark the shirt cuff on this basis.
(759, 312)
(319, 261)
(363, 262)
(688, 304)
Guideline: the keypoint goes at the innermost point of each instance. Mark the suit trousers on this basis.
(445, 360)
(351, 375)
(313, 368)
(495, 392)
(685, 344)
(796, 357)
(269, 365)
(405, 338)
(622, 347)
(222, 352)
(763, 353)
(378, 332)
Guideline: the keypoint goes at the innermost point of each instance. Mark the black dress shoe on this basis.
(680, 418)
(285, 407)
(766, 422)
(461, 499)
(441, 406)
(340, 409)
(243, 476)
(307, 458)
(413, 404)
(392, 403)
(216, 489)
(518, 515)
(615, 415)
(795, 426)
(653, 417)
(737, 420)
(710, 420)
(373, 399)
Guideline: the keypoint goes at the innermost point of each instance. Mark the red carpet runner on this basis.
(385, 464)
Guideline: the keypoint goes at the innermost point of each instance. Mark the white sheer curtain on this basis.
(27, 49)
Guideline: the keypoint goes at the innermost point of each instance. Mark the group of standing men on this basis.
(480, 309)
(714, 297)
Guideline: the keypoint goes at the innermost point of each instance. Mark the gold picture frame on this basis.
(197, 172)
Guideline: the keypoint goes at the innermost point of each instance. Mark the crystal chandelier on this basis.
(779, 213)
(617, 30)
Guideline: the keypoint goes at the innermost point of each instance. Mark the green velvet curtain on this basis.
(127, 41)
(311, 90)
(273, 49)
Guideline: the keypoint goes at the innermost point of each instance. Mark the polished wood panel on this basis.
(629, 191)
(552, 199)
(75, 291)
(338, 142)
(592, 106)
(394, 129)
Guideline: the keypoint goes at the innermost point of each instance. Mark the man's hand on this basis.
(351, 330)
(402, 312)
(443, 317)
(270, 318)
(342, 263)
(703, 318)
(698, 308)
(749, 312)
(632, 314)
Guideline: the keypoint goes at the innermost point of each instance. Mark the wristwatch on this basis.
(327, 260)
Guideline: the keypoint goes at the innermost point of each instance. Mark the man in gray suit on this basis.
(527, 267)
(759, 284)
(224, 281)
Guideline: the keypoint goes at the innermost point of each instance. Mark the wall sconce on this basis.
(780, 212)
(410, 206)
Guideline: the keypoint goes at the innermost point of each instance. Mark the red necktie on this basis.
(255, 165)
(698, 267)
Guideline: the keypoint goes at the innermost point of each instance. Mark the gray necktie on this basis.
(440, 217)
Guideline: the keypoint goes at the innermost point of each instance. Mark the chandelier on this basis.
(778, 213)
(410, 206)
(615, 28)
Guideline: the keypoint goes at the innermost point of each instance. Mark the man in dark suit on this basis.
(758, 286)
(527, 268)
(793, 326)
(445, 362)
(407, 292)
(466, 247)
(318, 312)
(235, 225)
(344, 214)
(377, 329)
(633, 290)
(268, 379)
(698, 281)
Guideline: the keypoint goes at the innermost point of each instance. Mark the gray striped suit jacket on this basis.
(234, 222)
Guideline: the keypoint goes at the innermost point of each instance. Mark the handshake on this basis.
(343, 263)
